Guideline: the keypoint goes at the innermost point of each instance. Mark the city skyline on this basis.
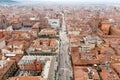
(59, 40)
(93, 1)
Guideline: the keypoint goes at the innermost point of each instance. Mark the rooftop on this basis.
(26, 78)
(5, 65)
(82, 73)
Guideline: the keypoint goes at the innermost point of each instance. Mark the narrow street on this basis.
(65, 67)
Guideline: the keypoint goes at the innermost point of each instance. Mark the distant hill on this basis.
(7, 1)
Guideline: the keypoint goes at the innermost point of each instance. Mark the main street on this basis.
(65, 67)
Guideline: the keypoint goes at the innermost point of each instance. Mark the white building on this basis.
(55, 23)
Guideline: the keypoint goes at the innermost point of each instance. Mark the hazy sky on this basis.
(76, 0)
